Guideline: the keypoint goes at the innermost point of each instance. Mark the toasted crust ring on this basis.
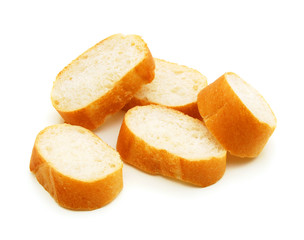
(190, 109)
(94, 114)
(72, 193)
(137, 152)
(230, 121)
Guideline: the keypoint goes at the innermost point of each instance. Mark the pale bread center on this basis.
(252, 99)
(75, 152)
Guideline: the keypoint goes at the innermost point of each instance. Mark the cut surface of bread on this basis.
(102, 80)
(175, 86)
(252, 99)
(160, 140)
(76, 167)
(237, 115)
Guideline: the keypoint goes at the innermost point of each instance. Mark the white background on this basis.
(262, 41)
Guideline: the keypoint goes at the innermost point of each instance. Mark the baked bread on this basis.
(76, 167)
(160, 140)
(174, 86)
(102, 80)
(237, 115)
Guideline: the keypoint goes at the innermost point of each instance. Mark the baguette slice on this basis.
(174, 86)
(76, 167)
(102, 80)
(237, 115)
(160, 140)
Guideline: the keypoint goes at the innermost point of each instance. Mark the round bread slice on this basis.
(76, 167)
(174, 86)
(160, 140)
(237, 115)
(102, 80)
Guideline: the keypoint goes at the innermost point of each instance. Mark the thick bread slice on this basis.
(174, 86)
(237, 115)
(160, 140)
(76, 167)
(102, 80)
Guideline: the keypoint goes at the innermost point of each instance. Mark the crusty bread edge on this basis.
(94, 114)
(230, 121)
(190, 109)
(72, 193)
(138, 153)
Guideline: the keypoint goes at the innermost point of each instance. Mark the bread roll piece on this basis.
(174, 86)
(76, 167)
(237, 115)
(102, 80)
(160, 140)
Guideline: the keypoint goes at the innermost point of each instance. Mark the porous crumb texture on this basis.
(76, 152)
(96, 71)
(252, 99)
(173, 85)
(173, 131)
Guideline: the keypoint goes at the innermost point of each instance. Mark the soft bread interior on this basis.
(76, 152)
(252, 99)
(173, 85)
(173, 131)
(96, 71)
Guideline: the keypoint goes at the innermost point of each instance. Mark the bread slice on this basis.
(76, 167)
(174, 86)
(102, 80)
(160, 140)
(237, 115)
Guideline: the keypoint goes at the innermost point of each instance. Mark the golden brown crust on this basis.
(230, 121)
(190, 109)
(94, 114)
(71, 193)
(137, 152)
